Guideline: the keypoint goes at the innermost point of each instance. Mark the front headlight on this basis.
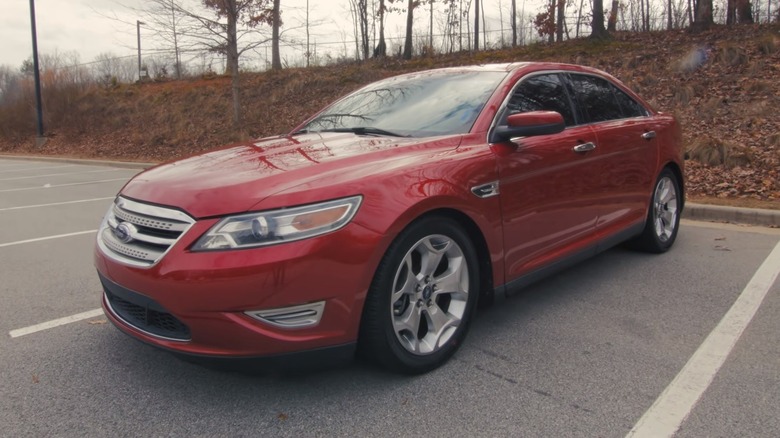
(277, 226)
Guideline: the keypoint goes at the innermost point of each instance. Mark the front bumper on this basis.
(194, 303)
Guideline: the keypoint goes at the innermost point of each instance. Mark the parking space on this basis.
(588, 352)
(49, 212)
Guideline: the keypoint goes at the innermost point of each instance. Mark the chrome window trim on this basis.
(508, 97)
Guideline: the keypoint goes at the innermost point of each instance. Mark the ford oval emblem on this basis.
(124, 232)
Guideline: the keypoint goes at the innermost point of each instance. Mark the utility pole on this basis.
(138, 24)
(40, 139)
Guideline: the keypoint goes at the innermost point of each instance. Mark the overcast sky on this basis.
(84, 26)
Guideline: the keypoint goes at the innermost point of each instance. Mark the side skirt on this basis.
(514, 286)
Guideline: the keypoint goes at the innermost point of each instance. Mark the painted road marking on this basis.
(55, 323)
(40, 239)
(50, 186)
(61, 174)
(37, 168)
(672, 407)
(23, 207)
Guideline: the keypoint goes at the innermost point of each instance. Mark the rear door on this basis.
(626, 151)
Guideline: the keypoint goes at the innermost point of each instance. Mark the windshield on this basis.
(426, 104)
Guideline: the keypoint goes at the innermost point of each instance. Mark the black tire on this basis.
(386, 336)
(663, 216)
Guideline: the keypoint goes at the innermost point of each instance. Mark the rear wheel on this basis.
(422, 298)
(663, 219)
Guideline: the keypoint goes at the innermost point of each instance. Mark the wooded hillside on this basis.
(723, 84)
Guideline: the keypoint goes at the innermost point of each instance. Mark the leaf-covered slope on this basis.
(723, 85)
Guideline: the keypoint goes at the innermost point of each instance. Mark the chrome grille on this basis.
(140, 234)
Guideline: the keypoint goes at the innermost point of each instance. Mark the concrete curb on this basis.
(698, 212)
(737, 215)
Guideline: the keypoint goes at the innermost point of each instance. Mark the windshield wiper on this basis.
(365, 130)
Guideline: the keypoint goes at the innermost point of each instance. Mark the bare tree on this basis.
(703, 16)
(10, 85)
(409, 24)
(476, 24)
(612, 22)
(740, 11)
(110, 69)
(380, 50)
(276, 22)
(513, 22)
(598, 30)
(560, 20)
(231, 21)
(359, 10)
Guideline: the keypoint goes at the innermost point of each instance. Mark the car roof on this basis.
(516, 66)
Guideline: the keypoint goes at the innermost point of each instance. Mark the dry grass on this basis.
(716, 152)
(774, 140)
(710, 108)
(732, 55)
(683, 94)
(768, 44)
(760, 88)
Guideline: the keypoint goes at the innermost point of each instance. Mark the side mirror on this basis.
(528, 124)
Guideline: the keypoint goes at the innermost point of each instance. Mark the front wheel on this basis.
(663, 217)
(422, 299)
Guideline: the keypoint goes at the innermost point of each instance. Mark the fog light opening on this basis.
(293, 317)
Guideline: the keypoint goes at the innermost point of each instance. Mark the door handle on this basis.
(585, 147)
(649, 135)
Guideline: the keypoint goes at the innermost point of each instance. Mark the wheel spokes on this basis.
(430, 294)
(665, 209)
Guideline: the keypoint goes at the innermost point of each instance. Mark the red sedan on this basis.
(379, 223)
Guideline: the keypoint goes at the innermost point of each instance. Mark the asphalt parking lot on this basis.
(622, 344)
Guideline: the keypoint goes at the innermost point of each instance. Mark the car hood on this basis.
(236, 178)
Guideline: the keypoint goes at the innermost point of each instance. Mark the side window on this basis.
(540, 93)
(596, 97)
(631, 108)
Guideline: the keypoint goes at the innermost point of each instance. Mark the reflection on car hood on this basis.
(235, 178)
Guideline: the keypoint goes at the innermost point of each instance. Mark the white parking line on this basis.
(60, 174)
(55, 323)
(672, 407)
(37, 168)
(23, 207)
(41, 239)
(49, 186)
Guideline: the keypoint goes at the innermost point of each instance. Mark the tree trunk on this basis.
(232, 59)
(409, 23)
(731, 12)
(513, 21)
(430, 42)
(598, 31)
(612, 23)
(381, 48)
(647, 15)
(669, 24)
(276, 60)
(476, 25)
(308, 40)
(559, 21)
(703, 18)
(690, 12)
(364, 31)
(744, 11)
